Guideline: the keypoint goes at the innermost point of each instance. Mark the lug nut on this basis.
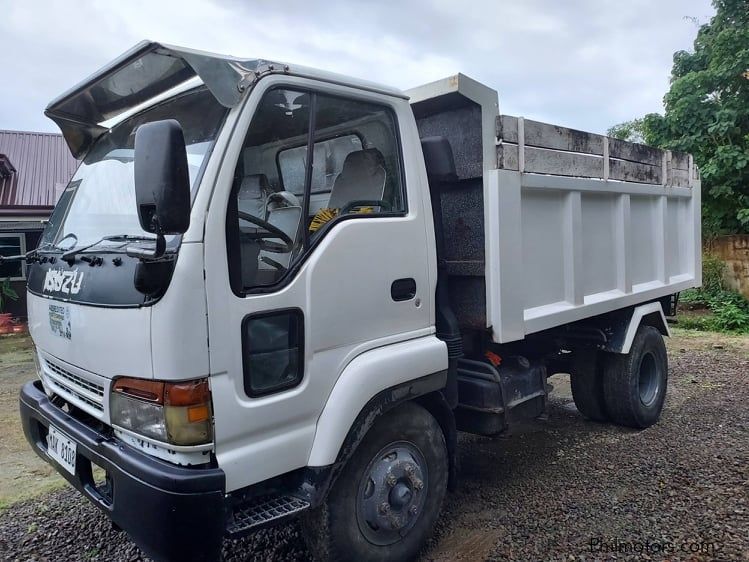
(391, 480)
(384, 508)
(418, 484)
(409, 469)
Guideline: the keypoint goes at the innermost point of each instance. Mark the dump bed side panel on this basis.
(603, 224)
(548, 225)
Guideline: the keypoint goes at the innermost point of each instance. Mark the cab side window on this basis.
(356, 166)
(264, 229)
(308, 161)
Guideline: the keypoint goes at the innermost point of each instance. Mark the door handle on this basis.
(403, 289)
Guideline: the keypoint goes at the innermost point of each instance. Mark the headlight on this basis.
(177, 413)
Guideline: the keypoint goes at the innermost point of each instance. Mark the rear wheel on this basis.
(586, 380)
(388, 496)
(634, 385)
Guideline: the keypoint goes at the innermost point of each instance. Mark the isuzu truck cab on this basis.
(272, 292)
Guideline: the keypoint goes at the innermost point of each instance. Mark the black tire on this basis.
(338, 530)
(634, 385)
(586, 380)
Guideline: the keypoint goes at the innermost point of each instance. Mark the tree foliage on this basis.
(630, 131)
(707, 115)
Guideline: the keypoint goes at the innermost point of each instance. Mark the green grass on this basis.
(721, 311)
(727, 311)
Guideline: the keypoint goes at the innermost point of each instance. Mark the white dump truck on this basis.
(273, 292)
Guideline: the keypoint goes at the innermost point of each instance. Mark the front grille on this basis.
(62, 380)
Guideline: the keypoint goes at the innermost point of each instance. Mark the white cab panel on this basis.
(107, 341)
(343, 290)
(179, 324)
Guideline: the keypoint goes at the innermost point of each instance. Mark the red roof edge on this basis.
(24, 210)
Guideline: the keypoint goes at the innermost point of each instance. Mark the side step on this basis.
(263, 512)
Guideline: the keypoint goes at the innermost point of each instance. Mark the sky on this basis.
(586, 64)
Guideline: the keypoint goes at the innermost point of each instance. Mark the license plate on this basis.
(61, 448)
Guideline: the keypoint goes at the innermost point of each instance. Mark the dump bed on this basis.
(548, 225)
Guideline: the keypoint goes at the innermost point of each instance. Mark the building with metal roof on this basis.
(34, 170)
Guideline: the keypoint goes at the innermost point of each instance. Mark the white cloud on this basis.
(582, 63)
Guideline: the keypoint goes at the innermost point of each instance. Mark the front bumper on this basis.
(170, 512)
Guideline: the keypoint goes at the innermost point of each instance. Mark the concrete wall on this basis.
(734, 250)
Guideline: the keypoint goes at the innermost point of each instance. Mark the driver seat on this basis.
(284, 212)
(362, 178)
(253, 191)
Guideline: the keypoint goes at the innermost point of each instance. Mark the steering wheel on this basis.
(272, 232)
(365, 203)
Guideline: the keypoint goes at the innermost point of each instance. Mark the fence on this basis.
(734, 250)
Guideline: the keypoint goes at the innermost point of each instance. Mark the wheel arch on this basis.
(426, 391)
(649, 314)
(370, 385)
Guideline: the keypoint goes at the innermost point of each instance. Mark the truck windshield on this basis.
(99, 201)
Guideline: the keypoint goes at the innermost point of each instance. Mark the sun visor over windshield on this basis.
(145, 71)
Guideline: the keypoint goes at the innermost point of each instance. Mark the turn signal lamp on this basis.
(178, 413)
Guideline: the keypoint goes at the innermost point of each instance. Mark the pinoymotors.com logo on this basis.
(58, 281)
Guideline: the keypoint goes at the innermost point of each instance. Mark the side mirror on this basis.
(162, 179)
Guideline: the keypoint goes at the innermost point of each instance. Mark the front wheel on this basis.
(634, 385)
(388, 496)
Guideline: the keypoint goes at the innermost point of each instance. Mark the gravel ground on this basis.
(563, 489)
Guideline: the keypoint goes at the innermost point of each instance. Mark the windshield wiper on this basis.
(33, 255)
(69, 256)
(56, 245)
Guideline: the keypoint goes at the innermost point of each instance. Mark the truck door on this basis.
(316, 251)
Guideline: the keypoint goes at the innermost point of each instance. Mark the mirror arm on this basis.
(147, 254)
(30, 257)
(4, 259)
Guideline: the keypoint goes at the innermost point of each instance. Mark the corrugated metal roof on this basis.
(43, 165)
(22, 226)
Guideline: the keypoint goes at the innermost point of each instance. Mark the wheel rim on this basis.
(392, 493)
(649, 380)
